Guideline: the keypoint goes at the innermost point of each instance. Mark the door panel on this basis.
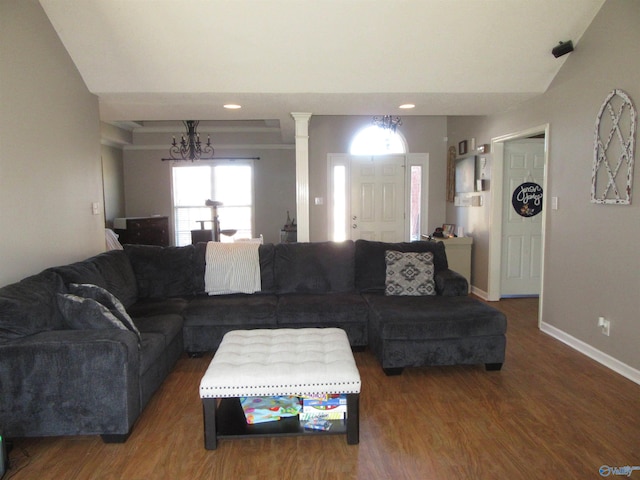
(367, 202)
(514, 257)
(390, 198)
(521, 236)
(536, 254)
(377, 197)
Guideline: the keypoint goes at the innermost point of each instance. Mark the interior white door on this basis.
(377, 198)
(521, 263)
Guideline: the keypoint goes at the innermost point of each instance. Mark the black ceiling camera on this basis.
(562, 49)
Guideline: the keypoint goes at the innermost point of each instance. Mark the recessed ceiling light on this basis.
(407, 106)
(232, 106)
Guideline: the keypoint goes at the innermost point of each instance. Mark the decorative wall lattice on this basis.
(614, 150)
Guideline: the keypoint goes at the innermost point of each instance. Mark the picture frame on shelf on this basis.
(462, 147)
(448, 229)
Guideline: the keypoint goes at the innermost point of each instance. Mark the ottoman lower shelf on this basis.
(230, 423)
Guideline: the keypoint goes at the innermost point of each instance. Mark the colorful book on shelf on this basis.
(326, 415)
(332, 403)
(269, 409)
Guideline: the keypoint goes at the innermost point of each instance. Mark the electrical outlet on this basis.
(605, 325)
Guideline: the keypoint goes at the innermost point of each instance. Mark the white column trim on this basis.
(302, 174)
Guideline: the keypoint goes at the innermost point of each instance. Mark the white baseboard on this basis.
(593, 353)
(480, 293)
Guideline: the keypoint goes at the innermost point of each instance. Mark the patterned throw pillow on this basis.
(106, 298)
(409, 273)
(85, 313)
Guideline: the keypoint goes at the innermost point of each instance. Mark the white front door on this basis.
(377, 198)
(521, 234)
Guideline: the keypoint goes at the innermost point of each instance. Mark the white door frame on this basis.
(411, 159)
(497, 198)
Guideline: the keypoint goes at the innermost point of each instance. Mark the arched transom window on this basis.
(374, 140)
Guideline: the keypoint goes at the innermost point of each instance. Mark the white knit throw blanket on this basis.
(232, 268)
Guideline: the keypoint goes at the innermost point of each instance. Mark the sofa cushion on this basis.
(370, 266)
(162, 272)
(238, 310)
(86, 313)
(161, 346)
(430, 317)
(118, 275)
(409, 273)
(81, 272)
(169, 325)
(321, 310)
(199, 266)
(152, 359)
(267, 254)
(450, 283)
(107, 299)
(319, 267)
(208, 318)
(148, 307)
(30, 306)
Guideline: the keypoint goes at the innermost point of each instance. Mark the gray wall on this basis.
(476, 221)
(113, 180)
(50, 170)
(333, 134)
(592, 264)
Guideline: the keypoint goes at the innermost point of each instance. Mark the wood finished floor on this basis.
(550, 413)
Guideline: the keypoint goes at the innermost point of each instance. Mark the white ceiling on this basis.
(183, 59)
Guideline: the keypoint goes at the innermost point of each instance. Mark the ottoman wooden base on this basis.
(227, 421)
(296, 362)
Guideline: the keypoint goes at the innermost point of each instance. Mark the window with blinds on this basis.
(228, 182)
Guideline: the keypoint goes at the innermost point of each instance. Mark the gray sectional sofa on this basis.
(60, 378)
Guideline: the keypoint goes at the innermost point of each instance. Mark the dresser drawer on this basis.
(143, 231)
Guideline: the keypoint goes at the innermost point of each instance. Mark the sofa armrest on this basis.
(450, 283)
(70, 382)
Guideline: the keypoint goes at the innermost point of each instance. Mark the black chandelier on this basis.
(387, 122)
(190, 148)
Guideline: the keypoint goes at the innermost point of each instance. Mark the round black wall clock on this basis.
(527, 199)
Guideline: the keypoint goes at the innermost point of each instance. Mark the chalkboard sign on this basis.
(527, 199)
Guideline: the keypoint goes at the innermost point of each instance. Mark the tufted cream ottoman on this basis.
(262, 363)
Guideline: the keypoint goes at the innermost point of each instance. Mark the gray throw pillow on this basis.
(106, 298)
(409, 273)
(85, 313)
